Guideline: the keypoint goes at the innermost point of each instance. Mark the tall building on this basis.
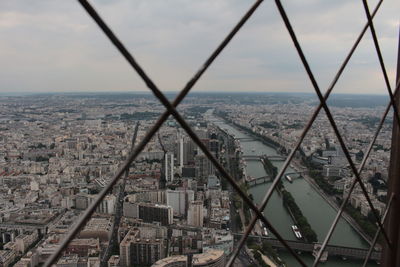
(156, 213)
(195, 213)
(169, 167)
(213, 146)
(204, 167)
(140, 251)
(188, 151)
(107, 205)
(157, 196)
(179, 199)
(181, 153)
(130, 209)
(149, 212)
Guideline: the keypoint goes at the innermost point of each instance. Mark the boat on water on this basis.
(289, 178)
(296, 232)
(265, 232)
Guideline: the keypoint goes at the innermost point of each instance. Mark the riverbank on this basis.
(318, 211)
(244, 213)
(329, 199)
(290, 204)
(264, 139)
(299, 167)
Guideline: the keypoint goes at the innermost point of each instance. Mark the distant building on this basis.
(173, 261)
(97, 228)
(169, 167)
(156, 213)
(113, 261)
(214, 239)
(83, 247)
(22, 263)
(188, 172)
(106, 206)
(31, 259)
(211, 258)
(320, 160)
(92, 262)
(333, 171)
(213, 182)
(179, 200)
(130, 209)
(149, 212)
(195, 214)
(213, 145)
(7, 257)
(139, 251)
(157, 196)
(68, 261)
(25, 241)
(188, 151)
(340, 184)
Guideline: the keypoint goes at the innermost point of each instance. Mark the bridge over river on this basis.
(347, 252)
(271, 158)
(267, 179)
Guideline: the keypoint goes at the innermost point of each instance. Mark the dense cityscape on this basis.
(173, 207)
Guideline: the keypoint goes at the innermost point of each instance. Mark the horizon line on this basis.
(25, 93)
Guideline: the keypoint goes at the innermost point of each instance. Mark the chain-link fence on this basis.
(171, 110)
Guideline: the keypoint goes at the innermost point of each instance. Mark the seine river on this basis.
(318, 212)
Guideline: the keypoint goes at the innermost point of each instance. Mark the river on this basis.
(317, 211)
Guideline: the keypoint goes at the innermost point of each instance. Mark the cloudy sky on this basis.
(53, 46)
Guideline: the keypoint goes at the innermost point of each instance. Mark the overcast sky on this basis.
(53, 46)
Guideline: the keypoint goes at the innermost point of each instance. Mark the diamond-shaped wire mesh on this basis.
(171, 110)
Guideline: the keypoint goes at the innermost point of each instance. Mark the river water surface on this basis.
(317, 211)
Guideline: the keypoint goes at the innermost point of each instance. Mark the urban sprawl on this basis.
(172, 207)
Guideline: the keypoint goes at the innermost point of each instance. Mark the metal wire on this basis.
(364, 160)
(327, 111)
(388, 206)
(303, 134)
(171, 109)
(181, 121)
(381, 62)
(89, 211)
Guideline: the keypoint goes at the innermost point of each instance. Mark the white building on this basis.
(179, 199)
